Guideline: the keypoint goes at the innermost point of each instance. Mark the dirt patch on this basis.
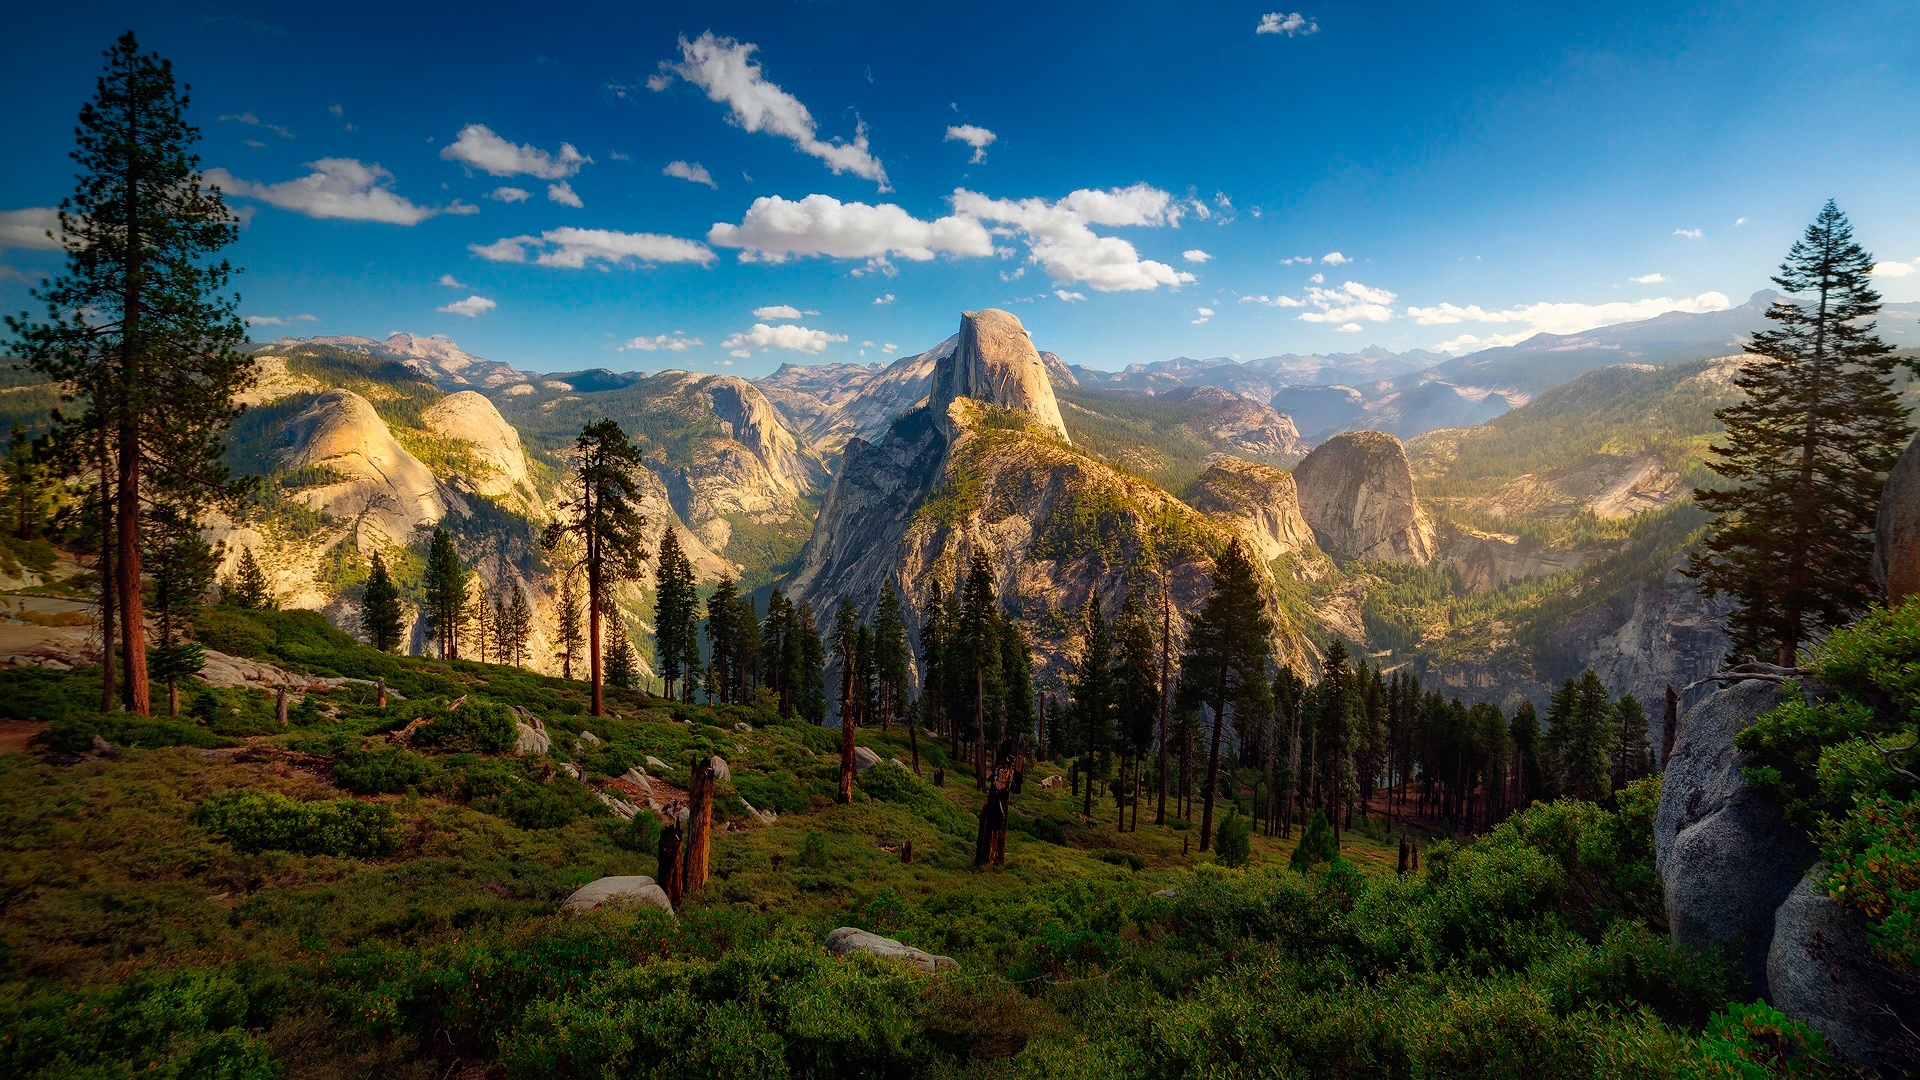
(15, 735)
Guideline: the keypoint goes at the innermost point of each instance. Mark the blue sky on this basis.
(1161, 180)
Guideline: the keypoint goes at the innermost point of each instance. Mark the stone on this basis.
(1821, 972)
(864, 758)
(591, 739)
(621, 808)
(720, 770)
(470, 418)
(532, 740)
(1726, 855)
(1896, 534)
(1051, 783)
(741, 727)
(849, 939)
(656, 764)
(631, 890)
(995, 362)
(638, 779)
(1356, 491)
(1261, 499)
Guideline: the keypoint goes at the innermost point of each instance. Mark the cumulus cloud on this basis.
(677, 341)
(1292, 24)
(1195, 255)
(1060, 240)
(781, 311)
(1649, 279)
(691, 171)
(727, 71)
(977, 137)
(509, 194)
(1556, 318)
(279, 320)
(479, 148)
(1069, 296)
(1334, 258)
(562, 193)
(1691, 234)
(471, 307)
(879, 300)
(341, 188)
(1273, 301)
(573, 248)
(788, 336)
(1201, 315)
(450, 282)
(1895, 269)
(776, 229)
(1349, 328)
(1296, 260)
(1350, 303)
(28, 229)
(1739, 221)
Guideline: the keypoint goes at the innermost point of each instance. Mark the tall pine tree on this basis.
(600, 523)
(380, 618)
(676, 613)
(1096, 697)
(446, 593)
(1228, 647)
(1807, 451)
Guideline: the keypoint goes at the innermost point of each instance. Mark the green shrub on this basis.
(75, 733)
(1757, 1041)
(813, 851)
(380, 770)
(888, 782)
(1317, 844)
(779, 791)
(1873, 856)
(546, 806)
(1040, 828)
(177, 1025)
(232, 631)
(1122, 858)
(473, 727)
(643, 832)
(256, 821)
(1233, 840)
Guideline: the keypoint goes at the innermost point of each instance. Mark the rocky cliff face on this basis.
(1896, 549)
(471, 420)
(831, 403)
(1356, 491)
(1260, 499)
(995, 362)
(367, 476)
(1247, 426)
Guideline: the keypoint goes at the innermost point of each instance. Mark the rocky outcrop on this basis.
(630, 890)
(1356, 491)
(848, 940)
(1896, 542)
(832, 403)
(1726, 855)
(1821, 971)
(469, 418)
(1242, 424)
(995, 362)
(379, 485)
(1260, 499)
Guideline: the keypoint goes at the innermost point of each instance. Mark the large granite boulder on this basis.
(631, 890)
(1726, 855)
(1896, 539)
(1356, 491)
(851, 939)
(1821, 972)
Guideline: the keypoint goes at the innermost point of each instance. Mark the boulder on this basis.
(1052, 782)
(631, 890)
(849, 939)
(1726, 855)
(1821, 972)
(720, 770)
(591, 739)
(621, 808)
(638, 779)
(1896, 535)
(532, 739)
(1356, 492)
(656, 764)
(741, 727)
(864, 758)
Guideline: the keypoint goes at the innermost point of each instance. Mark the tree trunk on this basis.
(672, 875)
(699, 825)
(979, 729)
(847, 724)
(280, 704)
(597, 708)
(380, 691)
(990, 842)
(1166, 646)
(1213, 760)
(106, 584)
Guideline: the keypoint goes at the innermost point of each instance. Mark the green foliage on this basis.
(256, 821)
(777, 791)
(381, 770)
(232, 631)
(643, 833)
(546, 806)
(813, 852)
(1873, 860)
(1317, 844)
(1233, 843)
(75, 732)
(888, 782)
(170, 1025)
(1758, 1042)
(475, 726)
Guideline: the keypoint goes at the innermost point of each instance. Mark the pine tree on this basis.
(26, 486)
(1228, 648)
(1807, 451)
(723, 637)
(622, 663)
(846, 642)
(891, 672)
(380, 617)
(446, 593)
(1524, 732)
(1580, 734)
(141, 327)
(810, 672)
(1096, 697)
(567, 621)
(183, 565)
(518, 623)
(676, 611)
(780, 651)
(1632, 752)
(479, 620)
(977, 645)
(600, 514)
(1138, 676)
(248, 589)
(933, 660)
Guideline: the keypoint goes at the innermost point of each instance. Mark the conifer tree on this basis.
(380, 617)
(780, 651)
(1524, 732)
(248, 588)
(977, 648)
(676, 613)
(446, 593)
(479, 620)
(1807, 452)
(182, 564)
(723, 638)
(26, 486)
(1139, 688)
(140, 329)
(622, 664)
(846, 641)
(1228, 647)
(810, 673)
(599, 518)
(933, 659)
(1096, 696)
(517, 623)
(1580, 733)
(891, 674)
(1632, 752)
(566, 615)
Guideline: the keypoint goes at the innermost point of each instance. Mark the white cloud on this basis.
(573, 248)
(1893, 269)
(880, 300)
(726, 70)
(1069, 297)
(562, 193)
(1739, 221)
(775, 229)
(279, 320)
(1195, 255)
(1201, 315)
(29, 228)
(1273, 301)
(461, 209)
(1350, 303)
(781, 311)
(1691, 234)
(1318, 279)
(1291, 24)
(1334, 258)
(1466, 343)
(977, 137)
(251, 120)
(479, 148)
(450, 282)
(509, 194)
(1059, 239)
(786, 336)
(1555, 318)
(690, 171)
(1296, 260)
(1349, 328)
(1014, 274)
(470, 307)
(1649, 279)
(888, 347)
(674, 342)
(341, 188)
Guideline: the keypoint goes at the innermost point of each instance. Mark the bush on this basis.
(643, 833)
(179, 1025)
(1121, 858)
(232, 631)
(545, 806)
(381, 770)
(813, 851)
(75, 734)
(256, 821)
(776, 791)
(473, 727)
(1317, 844)
(891, 783)
(1233, 840)
(1040, 828)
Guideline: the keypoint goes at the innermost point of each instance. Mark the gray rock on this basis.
(1356, 491)
(850, 939)
(638, 779)
(1896, 535)
(996, 362)
(631, 890)
(864, 758)
(1726, 856)
(590, 738)
(742, 727)
(1820, 971)
(656, 764)
(532, 740)
(720, 770)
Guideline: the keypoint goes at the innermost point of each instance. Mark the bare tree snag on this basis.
(990, 844)
(699, 824)
(672, 879)
(280, 704)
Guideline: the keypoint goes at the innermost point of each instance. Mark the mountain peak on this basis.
(995, 361)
